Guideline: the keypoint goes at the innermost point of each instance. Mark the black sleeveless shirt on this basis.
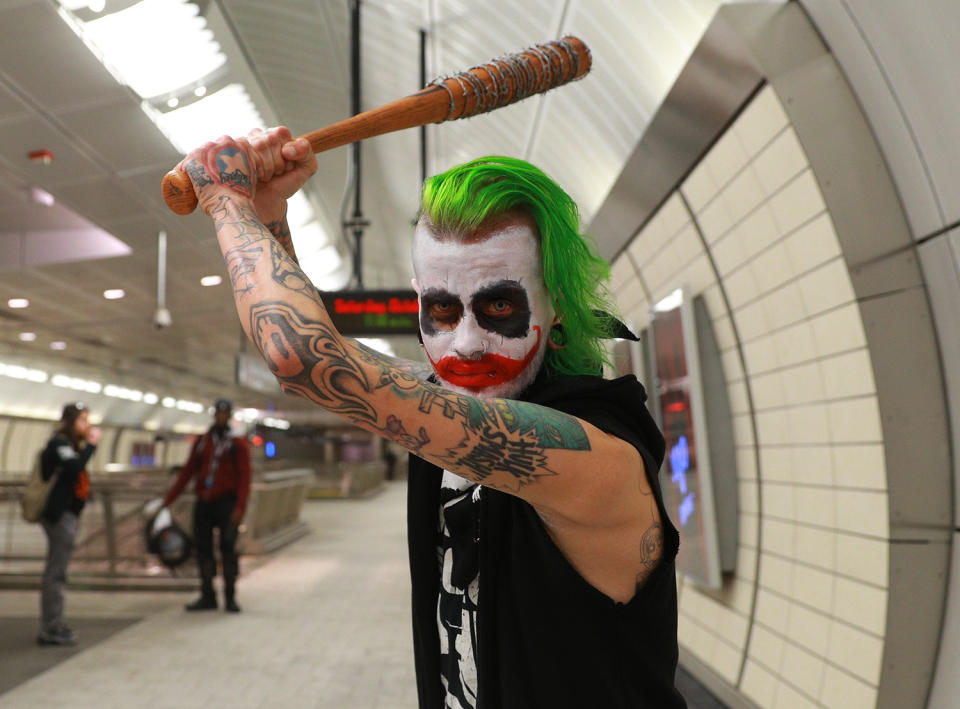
(547, 638)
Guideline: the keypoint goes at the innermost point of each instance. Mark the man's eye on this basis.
(445, 312)
(499, 308)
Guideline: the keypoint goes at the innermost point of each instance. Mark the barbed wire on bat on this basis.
(516, 72)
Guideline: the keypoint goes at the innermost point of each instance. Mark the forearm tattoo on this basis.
(286, 269)
(503, 434)
(281, 232)
(420, 370)
(241, 263)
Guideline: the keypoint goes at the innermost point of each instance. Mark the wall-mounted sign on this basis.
(688, 490)
(373, 312)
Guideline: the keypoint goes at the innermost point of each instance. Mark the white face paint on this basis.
(485, 314)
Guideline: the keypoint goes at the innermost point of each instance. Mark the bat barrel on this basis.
(513, 78)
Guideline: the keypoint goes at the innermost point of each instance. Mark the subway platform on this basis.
(325, 624)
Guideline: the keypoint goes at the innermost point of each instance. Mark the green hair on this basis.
(464, 197)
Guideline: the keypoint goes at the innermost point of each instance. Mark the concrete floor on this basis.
(325, 624)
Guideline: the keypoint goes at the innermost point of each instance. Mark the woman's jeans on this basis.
(60, 538)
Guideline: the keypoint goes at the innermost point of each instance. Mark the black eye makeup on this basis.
(502, 307)
(439, 311)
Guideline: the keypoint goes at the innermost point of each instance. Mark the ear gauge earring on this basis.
(557, 340)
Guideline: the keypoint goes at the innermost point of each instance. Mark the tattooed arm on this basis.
(574, 474)
(418, 370)
(278, 178)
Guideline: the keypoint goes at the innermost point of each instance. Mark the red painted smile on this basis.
(490, 370)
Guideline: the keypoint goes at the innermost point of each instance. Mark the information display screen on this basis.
(685, 479)
(372, 312)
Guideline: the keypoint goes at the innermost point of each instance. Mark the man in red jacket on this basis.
(220, 465)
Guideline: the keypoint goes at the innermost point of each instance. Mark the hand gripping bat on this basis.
(478, 90)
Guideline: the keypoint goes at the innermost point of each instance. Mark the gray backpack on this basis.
(33, 497)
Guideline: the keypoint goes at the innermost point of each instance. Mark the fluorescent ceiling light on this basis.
(113, 293)
(229, 111)
(18, 303)
(16, 371)
(156, 46)
(27, 336)
(674, 300)
(150, 398)
(276, 423)
(76, 383)
(42, 197)
(169, 402)
(378, 344)
(299, 212)
(119, 392)
(210, 281)
(58, 345)
(192, 406)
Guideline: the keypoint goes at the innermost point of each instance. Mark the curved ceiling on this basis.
(294, 54)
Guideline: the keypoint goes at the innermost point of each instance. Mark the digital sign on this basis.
(687, 484)
(373, 312)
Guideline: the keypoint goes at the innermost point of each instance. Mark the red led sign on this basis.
(376, 306)
(373, 312)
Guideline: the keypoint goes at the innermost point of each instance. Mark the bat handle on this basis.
(178, 192)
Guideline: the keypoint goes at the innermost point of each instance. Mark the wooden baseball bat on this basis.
(480, 89)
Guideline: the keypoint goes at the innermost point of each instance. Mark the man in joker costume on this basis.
(541, 556)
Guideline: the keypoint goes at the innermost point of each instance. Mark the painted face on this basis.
(485, 313)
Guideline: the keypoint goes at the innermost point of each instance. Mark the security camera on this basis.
(162, 318)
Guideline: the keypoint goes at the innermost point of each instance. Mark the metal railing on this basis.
(111, 540)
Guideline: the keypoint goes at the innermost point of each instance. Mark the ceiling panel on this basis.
(99, 198)
(11, 107)
(45, 59)
(12, 190)
(120, 133)
(22, 215)
(110, 158)
(71, 161)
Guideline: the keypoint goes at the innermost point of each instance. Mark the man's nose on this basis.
(469, 340)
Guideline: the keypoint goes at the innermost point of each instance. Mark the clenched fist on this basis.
(263, 169)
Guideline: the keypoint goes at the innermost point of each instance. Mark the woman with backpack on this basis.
(63, 462)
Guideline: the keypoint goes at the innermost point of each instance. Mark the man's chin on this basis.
(503, 390)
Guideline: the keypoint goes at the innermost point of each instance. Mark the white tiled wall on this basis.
(812, 483)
